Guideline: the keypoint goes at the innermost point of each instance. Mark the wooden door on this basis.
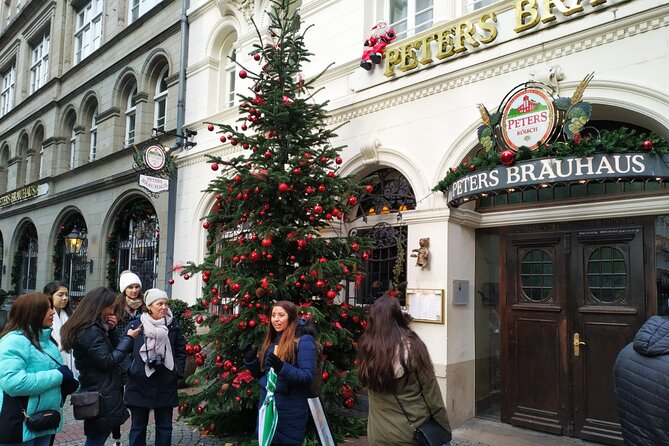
(608, 290)
(555, 285)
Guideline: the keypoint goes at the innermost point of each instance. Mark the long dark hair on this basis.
(387, 341)
(87, 313)
(51, 288)
(286, 347)
(27, 315)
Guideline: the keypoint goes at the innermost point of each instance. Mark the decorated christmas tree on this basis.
(276, 232)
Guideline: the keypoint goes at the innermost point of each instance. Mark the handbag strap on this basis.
(399, 403)
(422, 394)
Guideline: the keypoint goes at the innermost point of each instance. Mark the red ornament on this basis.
(266, 242)
(325, 376)
(507, 157)
(349, 403)
(241, 325)
(214, 167)
(309, 190)
(369, 188)
(454, 169)
(352, 200)
(186, 276)
(171, 281)
(256, 57)
(235, 287)
(252, 323)
(223, 138)
(283, 187)
(197, 348)
(338, 160)
(355, 246)
(199, 409)
(576, 138)
(243, 74)
(331, 294)
(254, 256)
(472, 167)
(318, 209)
(199, 319)
(205, 225)
(647, 145)
(321, 188)
(210, 127)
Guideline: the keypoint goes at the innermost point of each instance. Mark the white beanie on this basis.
(152, 295)
(128, 278)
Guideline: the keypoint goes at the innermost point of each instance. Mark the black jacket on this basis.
(159, 390)
(641, 374)
(97, 356)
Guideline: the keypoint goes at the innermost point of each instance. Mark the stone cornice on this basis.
(39, 22)
(111, 112)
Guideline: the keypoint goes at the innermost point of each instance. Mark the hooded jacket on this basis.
(29, 379)
(641, 374)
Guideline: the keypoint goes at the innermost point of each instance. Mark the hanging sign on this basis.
(528, 118)
(154, 184)
(155, 157)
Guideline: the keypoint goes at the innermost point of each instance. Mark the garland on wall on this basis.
(139, 208)
(29, 233)
(621, 140)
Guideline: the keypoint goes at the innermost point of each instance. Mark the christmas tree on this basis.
(276, 232)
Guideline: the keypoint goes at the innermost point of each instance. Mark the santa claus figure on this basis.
(382, 35)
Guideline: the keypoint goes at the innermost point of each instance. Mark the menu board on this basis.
(425, 305)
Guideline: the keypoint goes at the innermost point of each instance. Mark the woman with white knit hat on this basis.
(158, 361)
(130, 301)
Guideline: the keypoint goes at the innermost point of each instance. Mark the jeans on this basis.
(97, 440)
(39, 441)
(140, 419)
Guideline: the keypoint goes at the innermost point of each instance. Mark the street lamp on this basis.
(73, 244)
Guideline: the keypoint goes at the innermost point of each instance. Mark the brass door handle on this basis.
(577, 344)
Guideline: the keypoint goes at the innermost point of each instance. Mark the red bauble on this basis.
(222, 138)
(309, 190)
(647, 145)
(338, 160)
(325, 376)
(318, 209)
(199, 409)
(252, 323)
(205, 225)
(266, 242)
(331, 174)
(349, 403)
(241, 325)
(301, 243)
(345, 391)
(210, 127)
(243, 74)
(331, 294)
(254, 256)
(320, 284)
(186, 276)
(197, 348)
(472, 167)
(507, 157)
(454, 169)
(227, 365)
(283, 187)
(352, 200)
(297, 171)
(355, 246)
(171, 281)
(214, 167)
(235, 287)
(576, 138)
(199, 319)
(321, 188)
(369, 188)
(256, 56)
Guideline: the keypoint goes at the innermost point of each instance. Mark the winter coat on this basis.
(29, 380)
(641, 376)
(292, 388)
(59, 319)
(160, 389)
(97, 355)
(387, 424)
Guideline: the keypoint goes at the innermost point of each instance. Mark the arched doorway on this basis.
(71, 268)
(133, 243)
(24, 268)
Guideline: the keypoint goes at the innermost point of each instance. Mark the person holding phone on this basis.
(98, 352)
(158, 361)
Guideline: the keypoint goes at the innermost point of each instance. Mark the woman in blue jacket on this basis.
(289, 348)
(31, 374)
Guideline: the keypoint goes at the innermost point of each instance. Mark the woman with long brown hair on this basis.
(395, 366)
(98, 351)
(289, 349)
(32, 378)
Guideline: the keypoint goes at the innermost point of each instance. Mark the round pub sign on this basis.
(155, 158)
(528, 118)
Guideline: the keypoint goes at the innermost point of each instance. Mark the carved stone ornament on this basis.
(370, 152)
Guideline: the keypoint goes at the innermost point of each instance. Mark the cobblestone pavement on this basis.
(475, 432)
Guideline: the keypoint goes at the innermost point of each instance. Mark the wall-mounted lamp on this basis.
(73, 243)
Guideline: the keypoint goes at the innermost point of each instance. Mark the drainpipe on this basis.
(180, 143)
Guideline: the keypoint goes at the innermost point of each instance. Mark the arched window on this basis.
(130, 117)
(23, 156)
(231, 73)
(390, 193)
(133, 243)
(160, 100)
(93, 134)
(73, 148)
(37, 151)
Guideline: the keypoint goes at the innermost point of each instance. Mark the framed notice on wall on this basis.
(426, 305)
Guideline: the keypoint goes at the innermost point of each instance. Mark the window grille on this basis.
(138, 249)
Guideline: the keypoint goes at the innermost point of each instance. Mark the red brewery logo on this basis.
(155, 157)
(527, 119)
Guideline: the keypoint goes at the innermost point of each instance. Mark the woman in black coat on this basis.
(98, 352)
(158, 361)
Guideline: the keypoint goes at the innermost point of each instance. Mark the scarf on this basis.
(134, 304)
(156, 341)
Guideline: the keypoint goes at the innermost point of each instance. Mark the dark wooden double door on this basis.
(574, 296)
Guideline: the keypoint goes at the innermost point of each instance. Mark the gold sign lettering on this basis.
(18, 195)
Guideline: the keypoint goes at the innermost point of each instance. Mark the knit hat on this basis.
(128, 278)
(152, 295)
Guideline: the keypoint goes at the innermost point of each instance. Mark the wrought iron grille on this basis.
(74, 270)
(388, 245)
(391, 193)
(138, 249)
(29, 267)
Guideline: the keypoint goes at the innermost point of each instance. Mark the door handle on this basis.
(577, 344)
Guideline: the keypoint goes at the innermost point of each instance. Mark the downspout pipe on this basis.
(180, 143)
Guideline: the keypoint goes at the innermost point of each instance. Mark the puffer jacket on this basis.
(98, 356)
(29, 380)
(292, 388)
(160, 389)
(641, 374)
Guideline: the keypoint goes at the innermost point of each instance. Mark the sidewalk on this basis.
(475, 432)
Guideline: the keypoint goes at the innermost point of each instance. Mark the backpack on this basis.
(317, 380)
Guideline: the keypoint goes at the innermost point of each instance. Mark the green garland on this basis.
(137, 208)
(30, 232)
(610, 141)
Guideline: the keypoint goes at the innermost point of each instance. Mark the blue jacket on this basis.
(31, 379)
(292, 389)
(641, 374)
